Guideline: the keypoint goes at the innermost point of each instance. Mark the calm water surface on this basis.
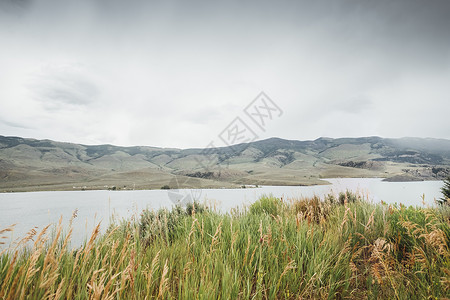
(38, 209)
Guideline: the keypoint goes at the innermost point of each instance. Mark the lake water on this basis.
(38, 209)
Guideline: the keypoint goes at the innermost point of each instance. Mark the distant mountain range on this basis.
(29, 164)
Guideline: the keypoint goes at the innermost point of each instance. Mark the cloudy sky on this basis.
(176, 73)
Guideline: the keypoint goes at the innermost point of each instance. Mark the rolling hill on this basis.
(30, 164)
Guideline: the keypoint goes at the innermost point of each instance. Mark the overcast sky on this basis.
(176, 73)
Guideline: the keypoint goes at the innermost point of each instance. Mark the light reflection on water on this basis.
(38, 209)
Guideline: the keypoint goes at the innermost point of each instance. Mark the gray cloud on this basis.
(175, 73)
(14, 125)
(62, 85)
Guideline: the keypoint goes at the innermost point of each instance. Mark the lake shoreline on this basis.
(40, 208)
(218, 185)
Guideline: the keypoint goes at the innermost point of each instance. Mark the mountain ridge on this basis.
(31, 164)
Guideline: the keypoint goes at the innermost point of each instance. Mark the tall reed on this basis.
(295, 249)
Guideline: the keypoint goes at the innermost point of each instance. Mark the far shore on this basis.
(213, 185)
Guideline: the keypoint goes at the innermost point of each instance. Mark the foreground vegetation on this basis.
(342, 247)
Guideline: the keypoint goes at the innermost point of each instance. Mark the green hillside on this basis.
(29, 164)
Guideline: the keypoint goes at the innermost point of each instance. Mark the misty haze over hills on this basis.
(30, 164)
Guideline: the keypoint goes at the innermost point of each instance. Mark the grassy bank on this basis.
(342, 247)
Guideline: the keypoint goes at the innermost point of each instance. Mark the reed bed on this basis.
(309, 248)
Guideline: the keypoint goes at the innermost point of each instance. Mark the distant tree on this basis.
(165, 187)
(446, 192)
